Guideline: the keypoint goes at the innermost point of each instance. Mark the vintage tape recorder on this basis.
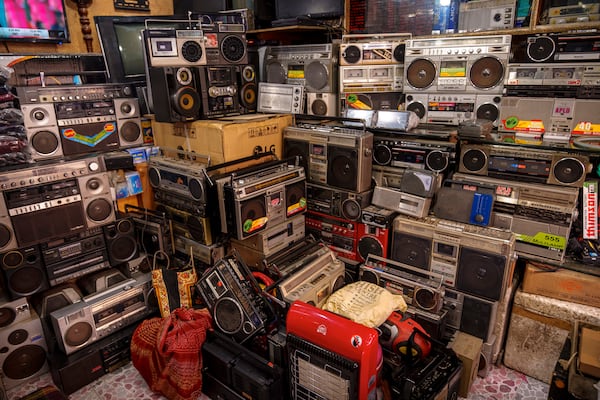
(153, 229)
(313, 66)
(415, 181)
(375, 232)
(402, 202)
(433, 155)
(470, 314)
(225, 43)
(371, 78)
(312, 278)
(170, 47)
(559, 47)
(206, 254)
(474, 64)
(580, 80)
(361, 49)
(540, 215)
(340, 235)
(336, 202)
(454, 109)
(220, 93)
(474, 259)
(189, 225)
(101, 313)
(420, 289)
(65, 198)
(484, 15)
(260, 197)
(280, 98)
(561, 116)
(530, 165)
(334, 156)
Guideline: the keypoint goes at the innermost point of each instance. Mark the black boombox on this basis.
(337, 202)
(432, 155)
(559, 47)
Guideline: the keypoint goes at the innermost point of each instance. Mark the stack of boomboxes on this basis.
(371, 71)
(300, 79)
(552, 88)
(199, 73)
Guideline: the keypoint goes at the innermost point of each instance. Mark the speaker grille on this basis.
(44, 142)
(228, 315)
(27, 280)
(24, 362)
(420, 73)
(233, 48)
(411, 250)
(342, 169)
(130, 131)
(480, 273)
(99, 210)
(78, 334)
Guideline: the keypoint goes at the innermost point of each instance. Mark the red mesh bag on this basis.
(167, 352)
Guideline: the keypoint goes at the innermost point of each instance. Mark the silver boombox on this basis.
(404, 203)
(100, 314)
(313, 66)
(540, 215)
(470, 64)
(374, 49)
(452, 110)
(312, 278)
(280, 98)
(261, 197)
(420, 289)
(419, 182)
(474, 259)
(395, 151)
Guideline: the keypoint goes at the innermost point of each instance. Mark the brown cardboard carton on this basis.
(468, 350)
(562, 284)
(589, 352)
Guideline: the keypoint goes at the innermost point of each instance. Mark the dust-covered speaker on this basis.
(411, 249)
(42, 131)
(121, 243)
(176, 94)
(97, 199)
(324, 104)
(24, 271)
(129, 123)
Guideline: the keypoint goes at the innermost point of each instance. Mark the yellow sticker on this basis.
(544, 239)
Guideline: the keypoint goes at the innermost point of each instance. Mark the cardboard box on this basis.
(225, 139)
(468, 349)
(562, 284)
(589, 352)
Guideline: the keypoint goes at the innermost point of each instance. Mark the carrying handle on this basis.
(320, 120)
(403, 267)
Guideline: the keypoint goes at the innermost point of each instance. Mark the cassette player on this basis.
(336, 202)
(454, 109)
(363, 49)
(340, 235)
(170, 47)
(371, 78)
(432, 155)
(559, 47)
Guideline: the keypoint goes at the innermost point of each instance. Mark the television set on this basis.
(286, 9)
(35, 21)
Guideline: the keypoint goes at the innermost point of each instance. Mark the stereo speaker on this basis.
(42, 131)
(121, 242)
(8, 239)
(129, 123)
(343, 167)
(24, 272)
(23, 356)
(481, 273)
(97, 199)
(478, 317)
(175, 93)
(322, 104)
(12, 312)
(248, 88)
(411, 250)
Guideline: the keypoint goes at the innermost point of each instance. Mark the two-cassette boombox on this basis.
(199, 73)
(74, 120)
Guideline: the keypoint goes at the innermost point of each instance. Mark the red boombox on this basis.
(329, 353)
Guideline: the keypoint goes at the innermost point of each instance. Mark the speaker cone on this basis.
(437, 161)
(352, 54)
(7, 316)
(186, 102)
(382, 155)
(196, 228)
(318, 107)
(417, 108)
(154, 176)
(474, 160)
(191, 51)
(425, 298)
(351, 209)
(540, 48)
(276, 73)
(99, 210)
(399, 53)
(5, 235)
(480, 273)
(486, 72)
(13, 259)
(196, 189)
(44, 142)
(316, 75)
(24, 362)
(228, 315)
(27, 280)
(249, 95)
(568, 170)
(412, 250)
(420, 73)
(78, 334)
(342, 171)
(130, 131)
(233, 48)
(297, 149)
(122, 248)
(488, 111)
(369, 245)
(248, 73)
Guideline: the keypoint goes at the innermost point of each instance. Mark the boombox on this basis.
(340, 235)
(471, 314)
(314, 277)
(220, 91)
(333, 156)
(371, 78)
(415, 181)
(99, 314)
(63, 198)
(547, 115)
(540, 215)
(580, 80)
(361, 49)
(373, 239)
(487, 15)
(452, 110)
(474, 64)
(322, 104)
(313, 66)
(153, 229)
(421, 289)
(171, 47)
(71, 120)
(233, 297)
(433, 155)
(336, 202)
(402, 202)
(225, 44)
(16, 311)
(259, 197)
(23, 271)
(474, 259)
(529, 165)
(202, 253)
(558, 47)
(280, 98)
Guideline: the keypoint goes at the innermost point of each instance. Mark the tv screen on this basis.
(33, 21)
(309, 8)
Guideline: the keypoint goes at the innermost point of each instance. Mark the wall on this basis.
(77, 44)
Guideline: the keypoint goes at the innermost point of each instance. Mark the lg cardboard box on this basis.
(562, 284)
(226, 139)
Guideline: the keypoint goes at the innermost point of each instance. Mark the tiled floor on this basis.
(127, 384)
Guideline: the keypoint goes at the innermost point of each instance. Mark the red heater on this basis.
(330, 356)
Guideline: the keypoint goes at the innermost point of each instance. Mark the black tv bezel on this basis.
(49, 40)
(278, 15)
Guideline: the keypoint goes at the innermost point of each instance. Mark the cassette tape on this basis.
(171, 47)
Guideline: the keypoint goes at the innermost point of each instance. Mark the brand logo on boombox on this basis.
(590, 206)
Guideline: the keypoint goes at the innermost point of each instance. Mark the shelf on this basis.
(295, 34)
